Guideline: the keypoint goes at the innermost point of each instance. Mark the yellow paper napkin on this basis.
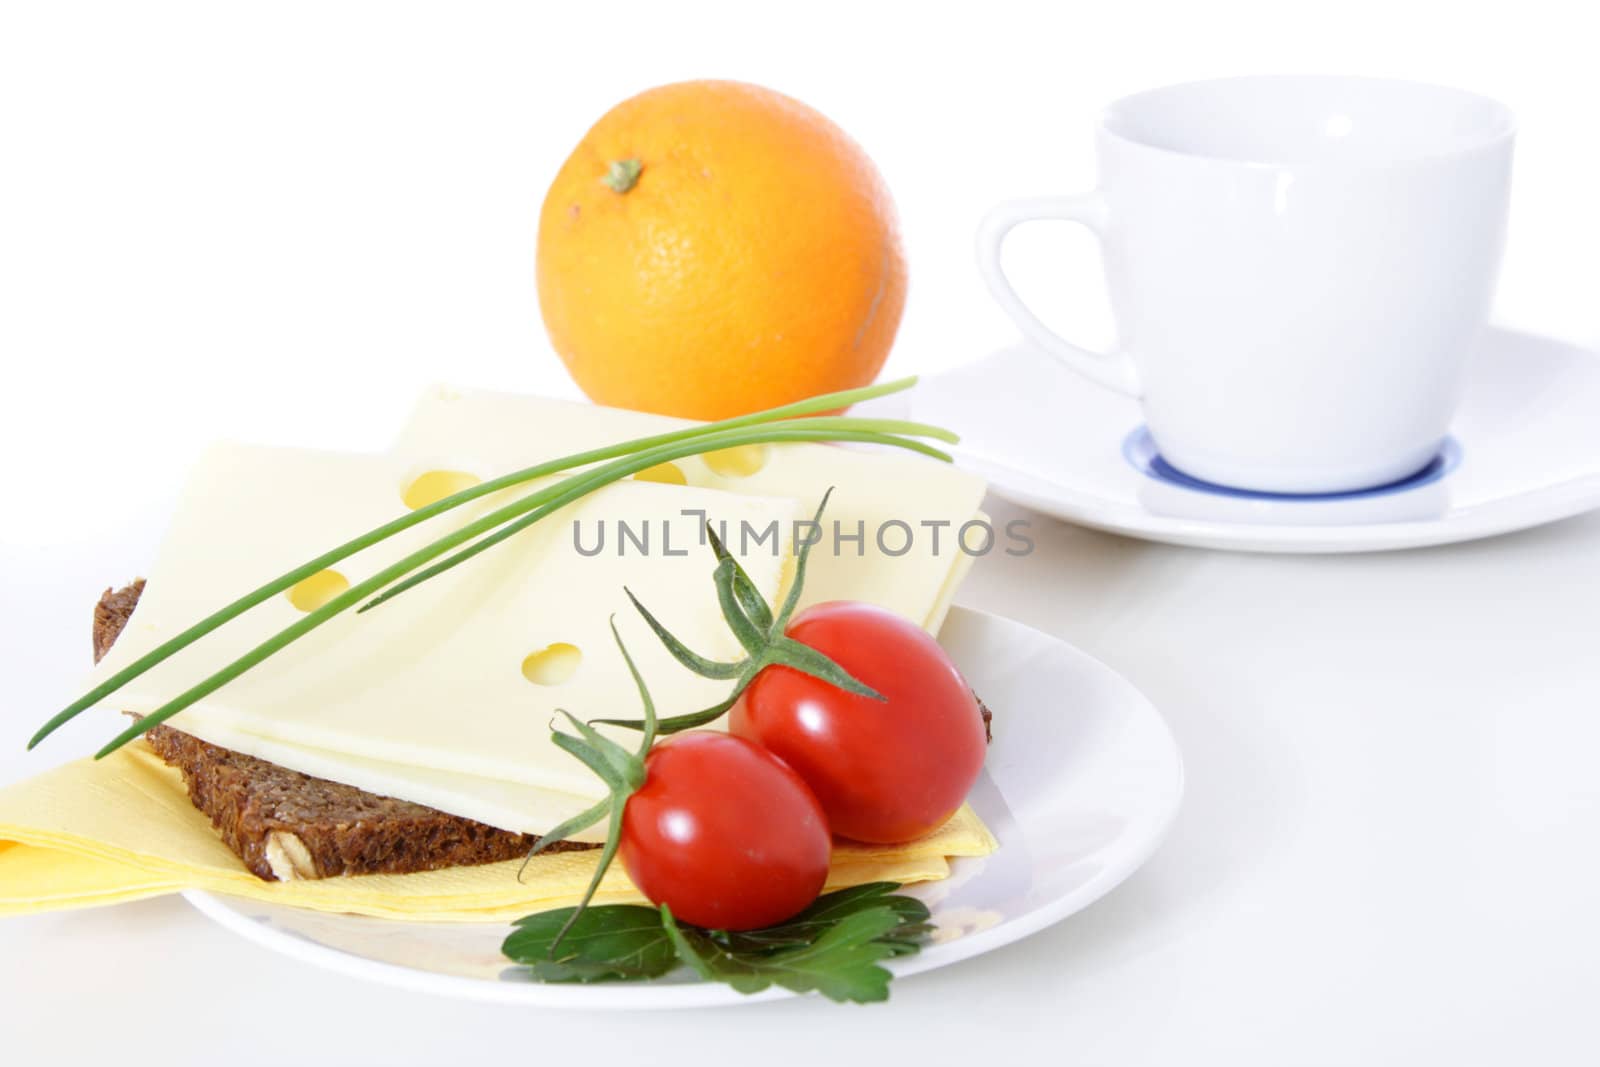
(92, 833)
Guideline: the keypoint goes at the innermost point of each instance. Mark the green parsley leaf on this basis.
(615, 942)
(833, 947)
(828, 910)
(841, 964)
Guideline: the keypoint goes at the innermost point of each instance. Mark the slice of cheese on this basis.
(445, 695)
(431, 697)
(91, 833)
(890, 534)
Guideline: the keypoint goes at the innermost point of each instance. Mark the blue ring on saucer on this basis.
(1139, 449)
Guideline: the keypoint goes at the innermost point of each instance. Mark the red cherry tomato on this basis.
(885, 771)
(724, 834)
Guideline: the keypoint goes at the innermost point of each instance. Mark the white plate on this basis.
(1525, 450)
(1081, 782)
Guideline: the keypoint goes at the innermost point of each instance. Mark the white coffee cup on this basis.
(1299, 268)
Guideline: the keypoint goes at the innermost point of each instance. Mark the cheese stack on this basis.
(445, 695)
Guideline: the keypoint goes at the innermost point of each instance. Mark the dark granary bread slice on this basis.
(111, 615)
(284, 824)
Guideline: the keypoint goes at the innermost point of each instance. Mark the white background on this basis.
(278, 222)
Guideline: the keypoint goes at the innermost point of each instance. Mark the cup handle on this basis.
(1114, 370)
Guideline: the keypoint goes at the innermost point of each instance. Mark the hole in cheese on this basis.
(552, 665)
(738, 462)
(430, 487)
(665, 473)
(309, 594)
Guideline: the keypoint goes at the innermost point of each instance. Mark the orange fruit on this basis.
(712, 248)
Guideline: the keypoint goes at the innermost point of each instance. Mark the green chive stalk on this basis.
(233, 610)
(626, 459)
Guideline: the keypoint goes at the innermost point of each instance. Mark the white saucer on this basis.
(1079, 787)
(1524, 450)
